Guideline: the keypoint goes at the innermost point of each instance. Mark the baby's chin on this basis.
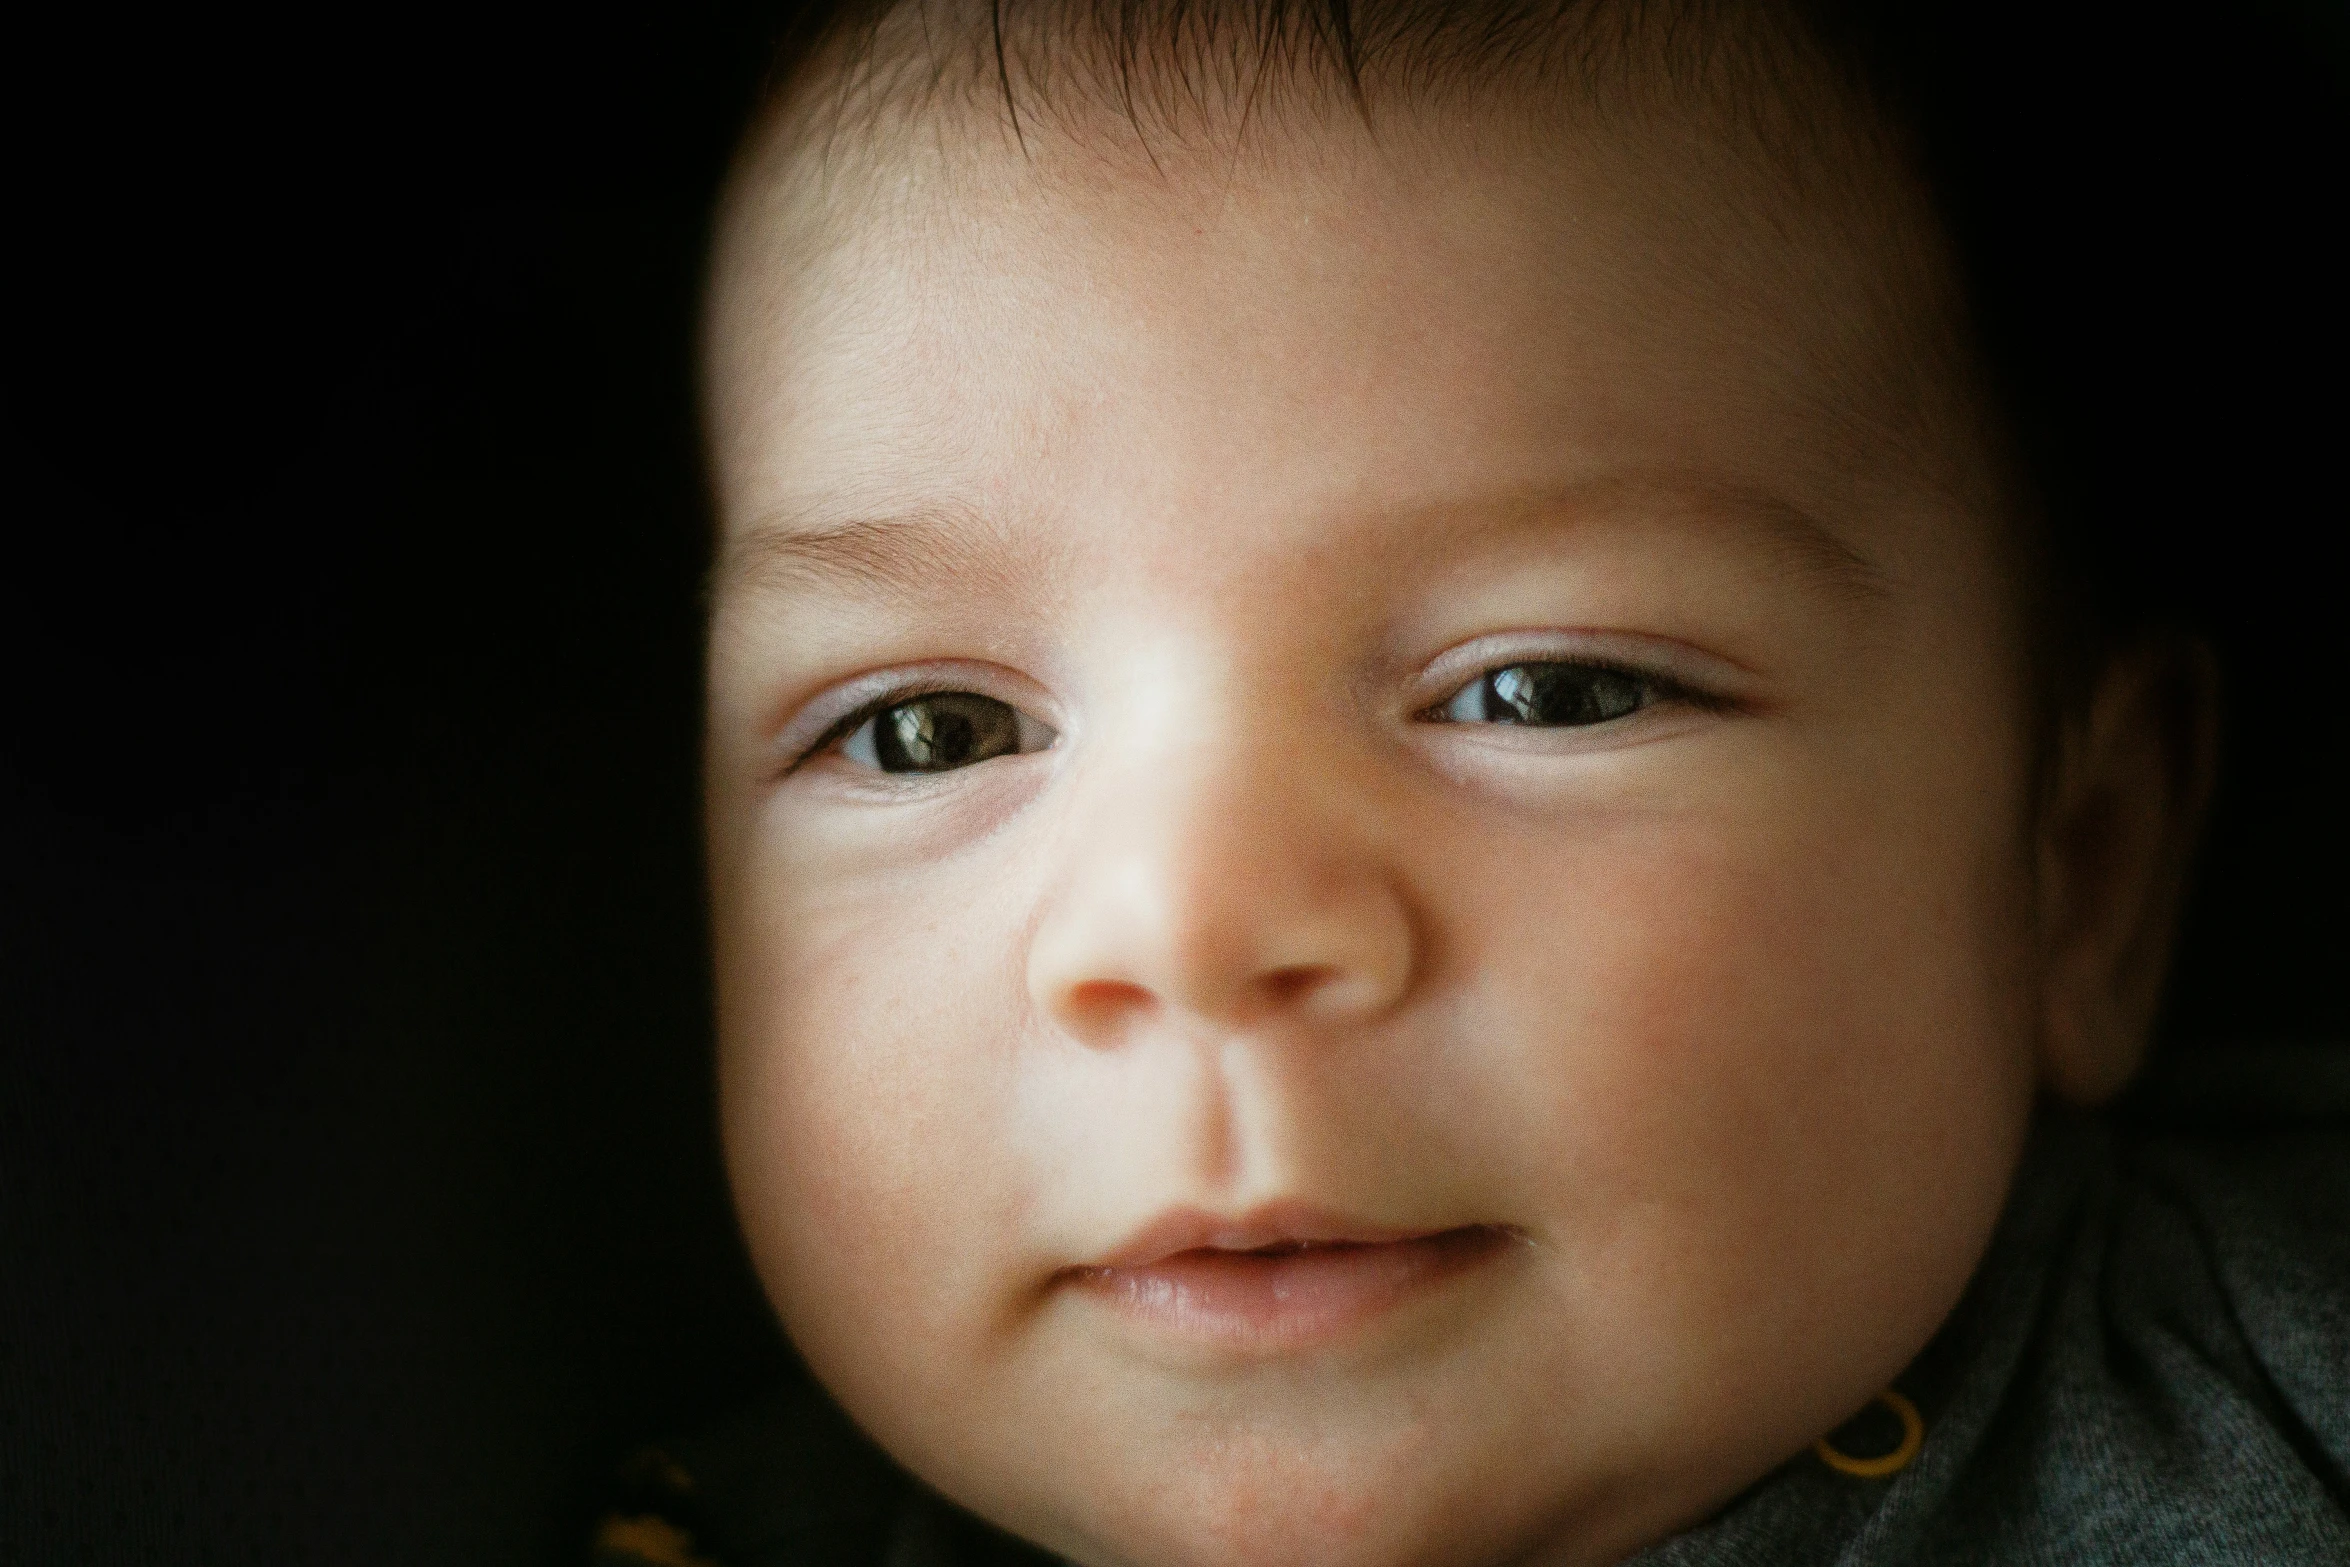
(1392, 1499)
(1479, 1454)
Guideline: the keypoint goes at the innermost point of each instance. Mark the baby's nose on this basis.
(1227, 888)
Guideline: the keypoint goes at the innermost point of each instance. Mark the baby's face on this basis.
(1370, 818)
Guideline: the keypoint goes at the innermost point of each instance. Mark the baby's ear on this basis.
(2118, 828)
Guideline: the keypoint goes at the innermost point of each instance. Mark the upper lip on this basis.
(1270, 1225)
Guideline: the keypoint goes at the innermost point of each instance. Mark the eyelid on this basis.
(1682, 670)
(835, 712)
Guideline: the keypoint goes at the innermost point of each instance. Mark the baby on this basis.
(1404, 817)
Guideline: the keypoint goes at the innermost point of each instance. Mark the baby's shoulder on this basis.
(2230, 1227)
(2169, 1380)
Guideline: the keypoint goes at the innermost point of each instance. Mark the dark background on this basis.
(358, 1201)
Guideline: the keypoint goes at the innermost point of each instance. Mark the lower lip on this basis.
(1287, 1299)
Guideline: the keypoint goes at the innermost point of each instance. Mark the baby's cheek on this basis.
(858, 1092)
(1771, 1072)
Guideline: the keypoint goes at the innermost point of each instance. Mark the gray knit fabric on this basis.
(2151, 1366)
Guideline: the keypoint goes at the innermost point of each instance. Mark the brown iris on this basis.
(945, 730)
(1553, 695)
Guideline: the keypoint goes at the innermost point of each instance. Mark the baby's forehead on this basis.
(933, 286)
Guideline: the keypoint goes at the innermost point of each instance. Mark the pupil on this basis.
(1561, 694)
(932, 734)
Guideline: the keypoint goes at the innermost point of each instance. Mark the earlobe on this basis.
(2119, 823)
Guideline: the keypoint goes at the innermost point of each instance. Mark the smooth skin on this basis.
(1226, 477)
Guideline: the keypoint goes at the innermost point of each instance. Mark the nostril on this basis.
(1096, 1002)
(1284, 986)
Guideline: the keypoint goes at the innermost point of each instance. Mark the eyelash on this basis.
(1658, 687)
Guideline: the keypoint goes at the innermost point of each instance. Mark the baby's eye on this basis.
(1553, 695)
(940, 731)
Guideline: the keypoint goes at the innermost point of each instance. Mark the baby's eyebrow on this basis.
(1807, 541)
(908, 552)
(1787, 530)
(941, 545)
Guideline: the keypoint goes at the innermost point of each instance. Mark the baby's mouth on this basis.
(1309, 1280)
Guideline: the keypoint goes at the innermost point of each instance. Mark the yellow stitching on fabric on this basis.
(1913, 1437)
(652, 1540)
